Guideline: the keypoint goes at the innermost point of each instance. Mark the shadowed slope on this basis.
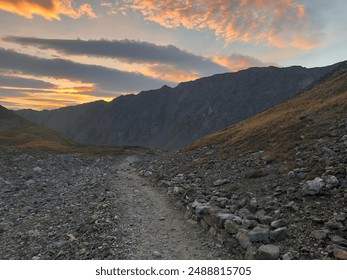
(18, 132)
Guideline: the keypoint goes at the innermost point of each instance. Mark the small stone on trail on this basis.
(37, 169)
(319, 234)
(156, 254)
(71, 236)
(221, 182)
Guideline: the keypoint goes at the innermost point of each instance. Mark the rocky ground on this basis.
(261, 209)
(61, 206)
(196, 204)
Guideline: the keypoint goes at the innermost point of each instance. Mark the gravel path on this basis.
(68, 207)
(154, 225)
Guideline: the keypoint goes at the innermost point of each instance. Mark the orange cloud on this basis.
(237, 62)
(49, 99)
(49, 9)
(279, 23)
(63, 92)
(169, 73)
(55, 90)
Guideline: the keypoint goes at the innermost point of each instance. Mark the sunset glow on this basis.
(50, 9)
(59, 53)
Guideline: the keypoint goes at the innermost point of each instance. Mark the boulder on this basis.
(279, 234)
(259, 234)
(202, 209)
(243, 239)
(314, 187)
(231, 226)
(332, 181)
(268, 252)
(222, 217)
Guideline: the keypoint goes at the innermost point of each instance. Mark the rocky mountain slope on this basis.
(171, 118)
(273, 186)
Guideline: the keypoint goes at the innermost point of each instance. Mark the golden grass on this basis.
(34, 137)
(280, 129)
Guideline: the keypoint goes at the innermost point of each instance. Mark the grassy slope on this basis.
(17, 132)
(279, 130)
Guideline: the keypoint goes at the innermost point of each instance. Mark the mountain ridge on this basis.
(171, 118)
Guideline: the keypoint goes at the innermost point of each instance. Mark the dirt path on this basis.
(153, 227)
(69, 207)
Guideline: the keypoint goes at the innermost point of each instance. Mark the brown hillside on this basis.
(303, 119)
(20, 133)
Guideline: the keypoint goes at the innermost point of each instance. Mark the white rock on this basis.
(156, 254)
(37, 169)
(288, 256)
(148, 173)
(315, 185)
(279, 223)
(202, 209)
(177, 190)
(33, 233)
(222, 217)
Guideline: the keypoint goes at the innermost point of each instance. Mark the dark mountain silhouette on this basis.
(171, 118)
(19, 133)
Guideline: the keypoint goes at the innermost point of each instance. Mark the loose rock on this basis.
(315, 186)
(279, 234)
(268, 252)
(243, 239)
(259, 235)
(156, 254)
(340, 254)
(231, 227)
(221, 182)
(279, 223)
(320, 234)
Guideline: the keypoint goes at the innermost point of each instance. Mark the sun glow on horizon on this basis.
(64, 92)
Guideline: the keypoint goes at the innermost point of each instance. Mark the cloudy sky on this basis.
(56, 53)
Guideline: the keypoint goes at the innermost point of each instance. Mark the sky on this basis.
(56, 53)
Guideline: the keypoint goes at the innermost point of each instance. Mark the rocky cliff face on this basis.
(171, 118)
